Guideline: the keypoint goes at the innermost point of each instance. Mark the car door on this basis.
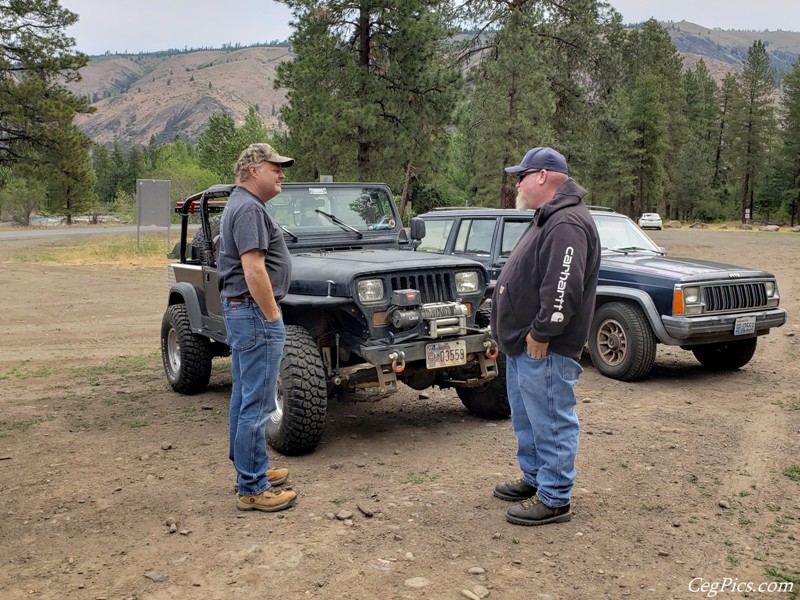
(475, 239)
(510, 232)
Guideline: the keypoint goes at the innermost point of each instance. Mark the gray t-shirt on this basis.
(246, 225)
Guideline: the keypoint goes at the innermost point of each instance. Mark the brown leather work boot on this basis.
(534, 512)
(514, 491)
(277, 476)
(269, 500)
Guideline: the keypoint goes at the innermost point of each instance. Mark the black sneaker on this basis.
(533, 512)
(514, 491)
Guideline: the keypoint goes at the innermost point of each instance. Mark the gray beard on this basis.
(520, 202)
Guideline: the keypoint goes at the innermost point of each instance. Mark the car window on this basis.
(436, 234)
(620, 232)
(475, 237)
(512, 230)
(364, 208)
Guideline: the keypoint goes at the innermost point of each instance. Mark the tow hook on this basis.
(491, 349)
(398, 361)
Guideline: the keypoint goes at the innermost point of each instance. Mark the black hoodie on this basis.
(547, 287)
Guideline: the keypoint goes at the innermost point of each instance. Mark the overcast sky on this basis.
(150, 25)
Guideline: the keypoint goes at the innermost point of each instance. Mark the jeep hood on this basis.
(310, 270)
(669, 269)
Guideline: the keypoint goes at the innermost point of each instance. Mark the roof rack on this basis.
(602, 208)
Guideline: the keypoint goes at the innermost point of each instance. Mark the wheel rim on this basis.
(277, 416)
(612, 343)
(173, 351)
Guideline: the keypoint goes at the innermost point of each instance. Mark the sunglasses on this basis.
(524, 174)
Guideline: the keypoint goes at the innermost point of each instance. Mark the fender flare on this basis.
(610, 293)
(185, 293)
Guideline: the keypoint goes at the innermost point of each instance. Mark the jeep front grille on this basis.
(736, 296)
(433, 287)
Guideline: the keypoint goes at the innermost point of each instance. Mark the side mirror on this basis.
(417, 231)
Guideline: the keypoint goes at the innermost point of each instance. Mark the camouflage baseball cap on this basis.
(258, 153)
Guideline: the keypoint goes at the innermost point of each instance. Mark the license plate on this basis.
(445, 354)
(744, 325)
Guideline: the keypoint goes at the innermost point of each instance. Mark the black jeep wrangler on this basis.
(362, 311)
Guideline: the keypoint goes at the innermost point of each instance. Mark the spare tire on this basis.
(198, 246)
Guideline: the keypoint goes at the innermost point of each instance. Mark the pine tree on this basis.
(71, 184)
(694, 166)
(35, 62)
(654, 62)
(790, 135)
(512, 107)
(217, 146)
(370, 92)
(753, 122)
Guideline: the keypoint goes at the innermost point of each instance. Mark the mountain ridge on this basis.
(171, 94)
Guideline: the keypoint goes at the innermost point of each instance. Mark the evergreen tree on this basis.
(218, 147)
(654, 62)
(512, 106)
(71, 183)
(693, 172)
(151, 154)
(753, 122)
(35, 62)
(647, 122)
(369, 92)
(252, 131)
(790, 136)
(728, 96)
(105, 186)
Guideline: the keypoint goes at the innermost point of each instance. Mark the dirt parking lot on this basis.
(112, 486)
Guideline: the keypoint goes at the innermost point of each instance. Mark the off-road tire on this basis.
(186, 356)
(621, 344)
(726, 356)
(214, 224)
(483, 317)
(297, 425)
(489, 400)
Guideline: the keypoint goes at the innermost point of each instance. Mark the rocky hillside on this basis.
(172, 95)
(724, 50)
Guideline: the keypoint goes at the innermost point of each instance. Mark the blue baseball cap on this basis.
(541, 158)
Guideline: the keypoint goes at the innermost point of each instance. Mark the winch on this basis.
(441, 319)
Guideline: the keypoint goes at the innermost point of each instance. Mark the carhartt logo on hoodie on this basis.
(558, 316)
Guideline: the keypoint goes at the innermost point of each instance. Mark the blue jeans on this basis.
(256, 349)
(542, 399)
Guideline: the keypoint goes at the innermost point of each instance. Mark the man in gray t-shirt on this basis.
(254, 270)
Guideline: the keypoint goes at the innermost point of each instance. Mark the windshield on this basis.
(332, 209)
(620, 233)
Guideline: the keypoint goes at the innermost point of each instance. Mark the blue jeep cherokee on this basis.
(643, 297)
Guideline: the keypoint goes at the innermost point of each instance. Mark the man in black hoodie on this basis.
(541, 312)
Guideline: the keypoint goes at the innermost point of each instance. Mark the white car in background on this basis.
(650, 221)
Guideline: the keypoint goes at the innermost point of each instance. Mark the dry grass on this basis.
(114, 250)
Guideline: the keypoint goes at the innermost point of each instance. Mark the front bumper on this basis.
(719, 328)
(414, 350)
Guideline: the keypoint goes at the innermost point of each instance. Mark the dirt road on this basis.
(685, 479)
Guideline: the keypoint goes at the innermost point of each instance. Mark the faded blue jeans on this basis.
(542, 399)
(256, 349)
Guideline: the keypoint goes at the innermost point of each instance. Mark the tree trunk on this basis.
(406, 186)
(745, 188)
